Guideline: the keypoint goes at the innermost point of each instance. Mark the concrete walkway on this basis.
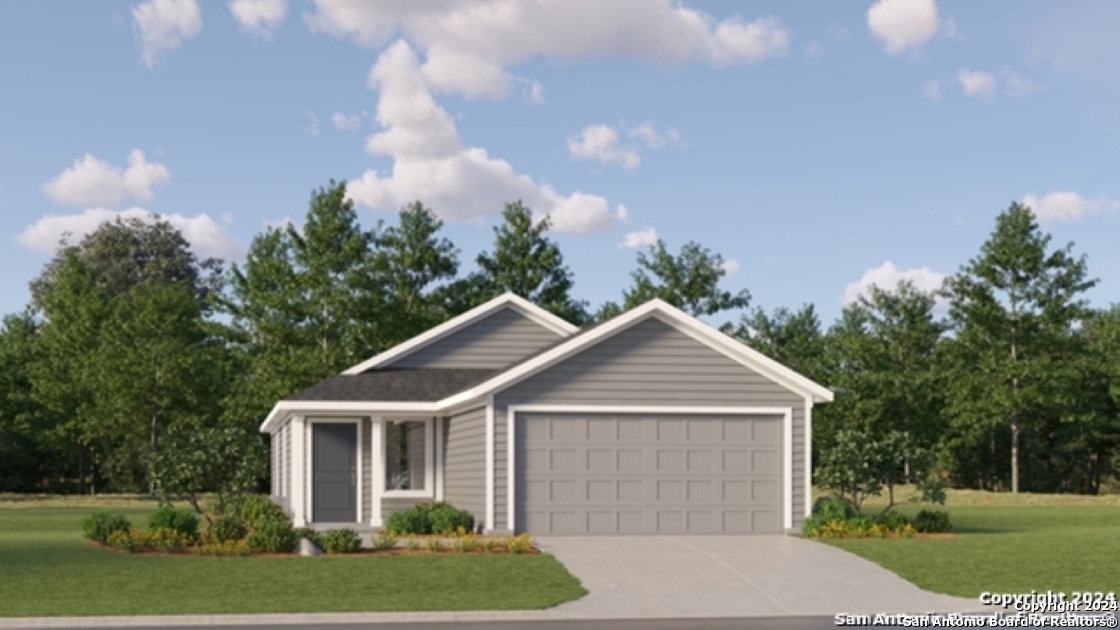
(732, 576)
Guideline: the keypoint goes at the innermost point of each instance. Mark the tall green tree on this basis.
(1013, 310)
(688, 281)
(415, 266)
(880, 357)
(527, 263)
(307, 303)
(792, 338)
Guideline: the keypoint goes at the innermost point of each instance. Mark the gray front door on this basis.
(334, 476)
(649, 474)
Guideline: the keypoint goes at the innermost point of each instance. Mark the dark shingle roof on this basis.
(395, 385)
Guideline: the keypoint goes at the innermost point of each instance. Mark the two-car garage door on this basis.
(648, 474)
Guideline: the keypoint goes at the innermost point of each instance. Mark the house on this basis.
(649, 423)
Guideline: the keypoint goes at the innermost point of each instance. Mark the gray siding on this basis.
(392, 504)
(496, 341)
(650, 363)
(464, 462)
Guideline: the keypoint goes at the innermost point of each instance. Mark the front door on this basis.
(334, 473)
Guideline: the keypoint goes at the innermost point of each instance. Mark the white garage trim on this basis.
(490, 463)
(511, 466)
(808, 456)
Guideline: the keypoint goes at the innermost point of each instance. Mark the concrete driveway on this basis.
(732, 576)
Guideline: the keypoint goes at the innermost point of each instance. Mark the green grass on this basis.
(1009, 544)
(48, 569)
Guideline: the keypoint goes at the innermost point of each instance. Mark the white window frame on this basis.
(511, 453)
(310, 465)
(429, 460)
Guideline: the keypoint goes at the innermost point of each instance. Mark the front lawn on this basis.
(48, 569)
(1009, 544)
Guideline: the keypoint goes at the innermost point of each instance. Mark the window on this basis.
(405, 452)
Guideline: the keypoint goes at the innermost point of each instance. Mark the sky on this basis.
(819, 147)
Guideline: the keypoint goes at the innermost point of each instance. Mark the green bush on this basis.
(834, 508)
(183, 521)
(341, 541)
(310, 534)
(99, 525)
(932, 522)
(894, 521)
(811, 526)
(273, 537)
(227, 528)
(428, 518)
(128, 540)
(257, 509)
(413, 520)
(445, 519)
(228, 548)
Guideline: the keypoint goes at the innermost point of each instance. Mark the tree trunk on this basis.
(81, 469)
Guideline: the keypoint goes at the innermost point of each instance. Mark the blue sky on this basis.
(818, 146)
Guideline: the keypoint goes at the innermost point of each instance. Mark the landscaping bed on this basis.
(50, 570)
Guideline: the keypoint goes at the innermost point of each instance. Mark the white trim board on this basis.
(511, 431)
(506, 300)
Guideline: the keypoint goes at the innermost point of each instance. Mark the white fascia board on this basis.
(521, 305)
(671, 316)
(286, 407)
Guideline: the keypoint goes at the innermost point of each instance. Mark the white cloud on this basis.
(164, 25)
(977, 84)
(259, 17)
(469, 43)
(887, 278)
(903, 24)
(94, 182)
(932, 90)
(639, 238)
(207, 238)
(1063, 206)
(430, 162)
(347, 123)
(1018, 85)
(600, 143)
(605, 144)
(730, 266)
(814, 52)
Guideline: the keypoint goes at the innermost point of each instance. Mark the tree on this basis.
(527, 263)
(1013, 309)
(858, 466)
(688, 281)
(305, 305)
(793, 339)
(226, 461)
(412, 261)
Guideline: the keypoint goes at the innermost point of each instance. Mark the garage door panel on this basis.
(617, 474)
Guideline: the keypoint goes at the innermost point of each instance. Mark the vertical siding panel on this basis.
(464, 462)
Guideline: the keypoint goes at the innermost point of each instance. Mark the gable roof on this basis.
(670, 315)
(460, 389)
(506, 300)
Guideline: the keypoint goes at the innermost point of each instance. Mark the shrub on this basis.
(834, 508)
(932, 522)
(257, 509)
(228, 548)
(413, 520)
(811, 526)
(227, 528)
(341, 541)
(99, 525)
(465, 543)
(273, 537)
(127, 540)
(310, 534)
(435, 545)
(184, 522)
(446, 518)
(167, 540)
(894, 521)
(411, 543)
(385, 540)
(519, 544)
